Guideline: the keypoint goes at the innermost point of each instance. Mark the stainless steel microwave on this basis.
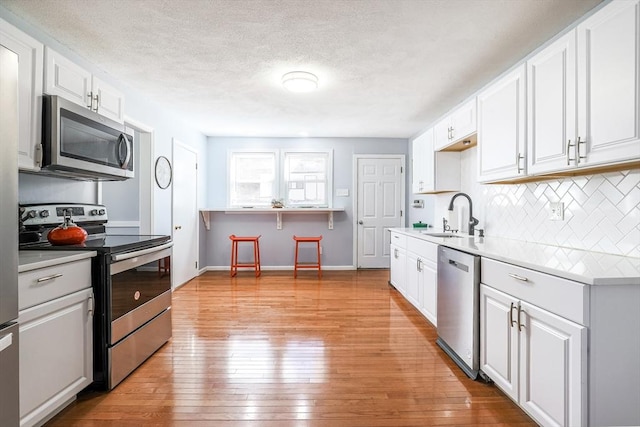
(81, 144)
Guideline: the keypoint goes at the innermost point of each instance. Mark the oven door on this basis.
(140, 289)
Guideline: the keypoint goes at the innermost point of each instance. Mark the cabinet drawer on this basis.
(563, 297)
(400, 240)
(46, 284)
(426, 250)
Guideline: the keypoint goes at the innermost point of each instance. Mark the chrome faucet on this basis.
(472, 221)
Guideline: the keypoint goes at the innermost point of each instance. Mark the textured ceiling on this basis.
(387, 68)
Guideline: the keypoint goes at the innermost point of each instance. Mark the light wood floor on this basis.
(346, 350)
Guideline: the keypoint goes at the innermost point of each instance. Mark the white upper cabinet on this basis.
(609, 85)
(501, 128)
(419, 160)
(457, 125)
(433, 171)
(583, 94)
(29, 52)
(64, 78)
(551, 123)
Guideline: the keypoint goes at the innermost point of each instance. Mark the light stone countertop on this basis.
(591, 268)
(33, 260)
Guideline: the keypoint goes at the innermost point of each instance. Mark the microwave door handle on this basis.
(124, 163)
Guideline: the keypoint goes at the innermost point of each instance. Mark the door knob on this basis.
(360, 222)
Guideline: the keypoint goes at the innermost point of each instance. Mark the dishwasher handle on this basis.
(459, 265)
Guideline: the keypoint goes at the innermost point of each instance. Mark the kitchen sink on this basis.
(432, 234)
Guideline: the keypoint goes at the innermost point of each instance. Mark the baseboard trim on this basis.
(277, 268)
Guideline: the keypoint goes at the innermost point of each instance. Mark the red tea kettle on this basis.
(67, 233)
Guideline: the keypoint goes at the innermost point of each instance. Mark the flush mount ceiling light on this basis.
(300, 81)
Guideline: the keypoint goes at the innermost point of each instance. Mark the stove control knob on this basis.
(101, 212)
(44, 214)
(32, 214)
(93, 212)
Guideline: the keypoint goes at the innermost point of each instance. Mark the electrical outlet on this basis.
(556, 211)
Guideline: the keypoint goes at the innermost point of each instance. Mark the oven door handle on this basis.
(128, 255)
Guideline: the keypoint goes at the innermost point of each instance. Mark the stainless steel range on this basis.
(131, 278)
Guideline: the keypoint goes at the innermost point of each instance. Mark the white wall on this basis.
(602, 211)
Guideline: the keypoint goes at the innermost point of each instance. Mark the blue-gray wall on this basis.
(277, 245)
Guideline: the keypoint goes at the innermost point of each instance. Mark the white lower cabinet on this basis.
(56, 338)
(536, 357)
(397, 267)
(56, 357)
(428, 292)
(398, 261)
(414, 272)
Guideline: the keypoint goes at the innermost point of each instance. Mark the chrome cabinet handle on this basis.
(511, 321)
(97, 99)
(521, 278)
(47, 278)
(569, 145)
(395, 253)
(90, 303)
(90, 96)
(451, 133)
(578, 156)
(520, 325)
(419, 264)
(519, 157)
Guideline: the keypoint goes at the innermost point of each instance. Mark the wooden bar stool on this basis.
(234, 254)
(297, 264)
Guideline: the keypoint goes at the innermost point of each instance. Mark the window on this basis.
(304, 180)
(252, 178)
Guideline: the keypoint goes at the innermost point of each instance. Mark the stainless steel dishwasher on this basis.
(459, 308)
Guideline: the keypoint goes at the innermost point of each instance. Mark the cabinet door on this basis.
(551, 116)
(66, 79)
(429, 291)
(429, 163)
(420, 161)
(499, 339)
(398, 267)
(56, 354)
(442, 133)
(108, 101)
(414, 279)
(609, 84)
(501, 128)
(30, 54)
(553, 366)
(463, 121)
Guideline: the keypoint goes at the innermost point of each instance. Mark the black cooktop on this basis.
(107, 243)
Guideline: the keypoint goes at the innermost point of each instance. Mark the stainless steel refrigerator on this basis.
(9, 372)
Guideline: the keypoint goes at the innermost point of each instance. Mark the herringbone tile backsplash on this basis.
(601, 211)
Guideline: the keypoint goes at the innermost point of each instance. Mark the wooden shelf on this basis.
(205, 213)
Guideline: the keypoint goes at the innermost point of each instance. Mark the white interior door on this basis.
(185, 214)
(380, 204)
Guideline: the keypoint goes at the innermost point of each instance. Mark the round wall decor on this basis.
(163, 172)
